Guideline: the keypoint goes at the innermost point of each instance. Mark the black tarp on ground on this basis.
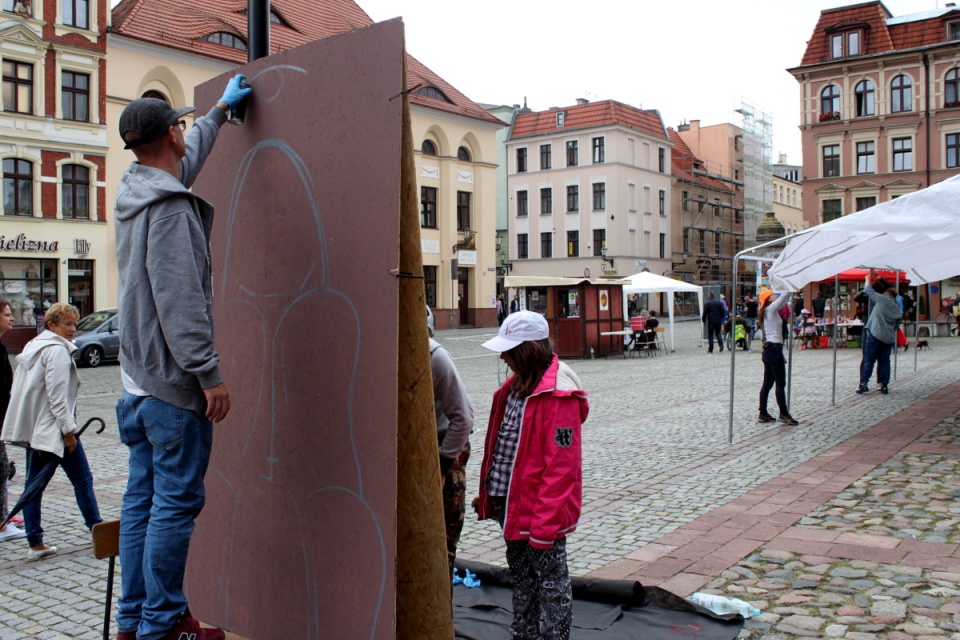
(602, 610)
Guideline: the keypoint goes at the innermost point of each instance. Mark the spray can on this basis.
(239, 111)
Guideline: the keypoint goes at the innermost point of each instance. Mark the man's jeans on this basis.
(169, 452)
(714, 329)
(78, 472)
(878, 352)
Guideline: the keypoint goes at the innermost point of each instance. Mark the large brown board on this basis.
(297, 539)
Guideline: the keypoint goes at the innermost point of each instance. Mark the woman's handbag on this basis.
(901, 338)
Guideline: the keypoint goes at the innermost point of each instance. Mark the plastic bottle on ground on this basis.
(723, 604)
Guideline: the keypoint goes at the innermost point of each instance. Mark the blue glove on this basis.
(235, 92)
(470, 580)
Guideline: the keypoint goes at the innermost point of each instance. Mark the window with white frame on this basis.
(901, 94)
(903, 154)
(75, 192)
(76, 13)
(599, 196)
(951, 88)
(546, 200)
(573, 197)
(865, 98)
(830, 102)
(952, 148)
(866, 157)
(75, 96)
(598, 150)
(572, 153)
(17, 187)
(17, 86)
(832, 209)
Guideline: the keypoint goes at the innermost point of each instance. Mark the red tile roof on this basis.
(185, 24)
(882, 32)
(685, 166)
(589, 116)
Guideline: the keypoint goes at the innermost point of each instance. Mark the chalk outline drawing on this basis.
(303, 293)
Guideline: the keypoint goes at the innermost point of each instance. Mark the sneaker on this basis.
(189, 629)
(786, 419)
(36, 554)
(765, 417)
(12, 533)
(884, 390)
(862, 388)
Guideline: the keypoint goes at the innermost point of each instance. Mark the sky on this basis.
(690, 60)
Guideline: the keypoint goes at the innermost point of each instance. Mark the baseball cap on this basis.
(149, 119)
(519, 327)
(766, 293)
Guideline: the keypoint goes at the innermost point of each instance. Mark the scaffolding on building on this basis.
(757, 127)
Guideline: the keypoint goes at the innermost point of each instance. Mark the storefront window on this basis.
(537, 300)
(569, 303)
(30, 286)
(80, 286)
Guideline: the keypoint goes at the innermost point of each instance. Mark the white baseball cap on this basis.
(519, 327)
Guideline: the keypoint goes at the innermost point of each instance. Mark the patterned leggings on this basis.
(542, 592)
(455, 503)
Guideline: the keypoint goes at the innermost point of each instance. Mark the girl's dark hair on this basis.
(529, 362)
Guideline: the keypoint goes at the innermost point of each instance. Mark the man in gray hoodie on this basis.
(879, 334)
(173, 392)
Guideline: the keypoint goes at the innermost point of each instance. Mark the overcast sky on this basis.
(690, 59)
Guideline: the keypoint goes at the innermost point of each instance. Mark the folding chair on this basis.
(659, 344)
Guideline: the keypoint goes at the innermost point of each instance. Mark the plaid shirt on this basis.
(498, 480)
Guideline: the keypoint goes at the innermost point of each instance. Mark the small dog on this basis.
(921, 344)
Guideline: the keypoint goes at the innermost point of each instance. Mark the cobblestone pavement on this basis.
(662, 481)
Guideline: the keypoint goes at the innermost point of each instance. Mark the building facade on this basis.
(880, 106)
(709, 203)
(53, 231)
(164, 48)
(588, 191)
(788, 196)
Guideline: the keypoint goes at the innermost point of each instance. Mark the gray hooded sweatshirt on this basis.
(163, 255)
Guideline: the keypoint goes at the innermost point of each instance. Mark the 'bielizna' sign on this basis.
(20, 243)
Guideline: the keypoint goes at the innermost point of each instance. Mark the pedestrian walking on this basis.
(7, 531)
(41, 417)
(714, 313)
(774, 363)
(533, 462)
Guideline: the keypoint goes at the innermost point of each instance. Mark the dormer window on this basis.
(953, 30)
(561, 117)
(227, 40)
(275, 19)
(432, 92)
(845, 45)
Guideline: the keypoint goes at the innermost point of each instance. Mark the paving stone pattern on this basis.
(667, 499)
(910, 497)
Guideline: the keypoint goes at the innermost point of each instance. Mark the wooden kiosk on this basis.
(578, 310)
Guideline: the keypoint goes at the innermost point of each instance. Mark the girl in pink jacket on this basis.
(531, 477)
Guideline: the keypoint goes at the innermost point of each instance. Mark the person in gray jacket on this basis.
(454, 424)
(879, 335)
(173, 391)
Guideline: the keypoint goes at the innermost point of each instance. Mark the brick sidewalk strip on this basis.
(685, 560)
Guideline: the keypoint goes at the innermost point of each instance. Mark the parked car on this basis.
(97, 338)
(431, 323)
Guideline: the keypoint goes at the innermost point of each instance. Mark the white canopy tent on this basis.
(647, 282)
(917, 233)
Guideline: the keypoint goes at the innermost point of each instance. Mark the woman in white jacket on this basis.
(42, 418)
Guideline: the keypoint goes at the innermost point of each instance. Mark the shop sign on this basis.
(81, 246)
(468, 258)
(20, 243)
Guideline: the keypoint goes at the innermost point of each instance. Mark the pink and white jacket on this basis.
(546, 486)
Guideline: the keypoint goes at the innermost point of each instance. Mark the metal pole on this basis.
(836, 334)
(916, 328)
(258, 29)
(790, 359)
(896, 347)
(733, 360)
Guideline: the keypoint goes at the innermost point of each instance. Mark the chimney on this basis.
(582, 101)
